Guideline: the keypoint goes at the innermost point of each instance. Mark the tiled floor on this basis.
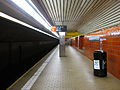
(73, 72)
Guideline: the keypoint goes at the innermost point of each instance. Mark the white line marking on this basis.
(32, 80)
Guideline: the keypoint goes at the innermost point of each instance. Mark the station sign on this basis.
(94, 38)
(61, 28)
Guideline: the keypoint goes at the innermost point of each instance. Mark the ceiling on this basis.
(83, 16)
(9, 8)
(71, 12)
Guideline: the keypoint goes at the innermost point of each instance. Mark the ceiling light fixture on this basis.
(31, 9)
(24, 24)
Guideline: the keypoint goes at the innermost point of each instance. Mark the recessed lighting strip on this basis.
(24, 24)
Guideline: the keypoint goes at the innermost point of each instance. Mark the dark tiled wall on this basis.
(20, 48)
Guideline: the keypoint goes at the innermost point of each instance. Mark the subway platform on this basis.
(72, 72)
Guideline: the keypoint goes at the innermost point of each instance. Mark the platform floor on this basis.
(73, 72)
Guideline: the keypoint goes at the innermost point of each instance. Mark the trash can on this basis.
(100, 63)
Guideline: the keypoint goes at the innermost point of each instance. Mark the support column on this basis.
(62, 47)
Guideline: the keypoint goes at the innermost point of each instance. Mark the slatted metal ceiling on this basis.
(109, 15)
(68, 12)
(81, 15)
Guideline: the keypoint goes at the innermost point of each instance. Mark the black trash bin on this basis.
(100, 63)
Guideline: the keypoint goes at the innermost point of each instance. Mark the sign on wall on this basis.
(71, 34)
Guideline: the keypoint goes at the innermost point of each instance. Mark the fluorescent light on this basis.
(31, 11)
(42, 17)
(38, 12)
(22, 23)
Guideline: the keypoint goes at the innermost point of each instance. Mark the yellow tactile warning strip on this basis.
(73, 72)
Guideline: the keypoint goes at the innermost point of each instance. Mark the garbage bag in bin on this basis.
(100, 63)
